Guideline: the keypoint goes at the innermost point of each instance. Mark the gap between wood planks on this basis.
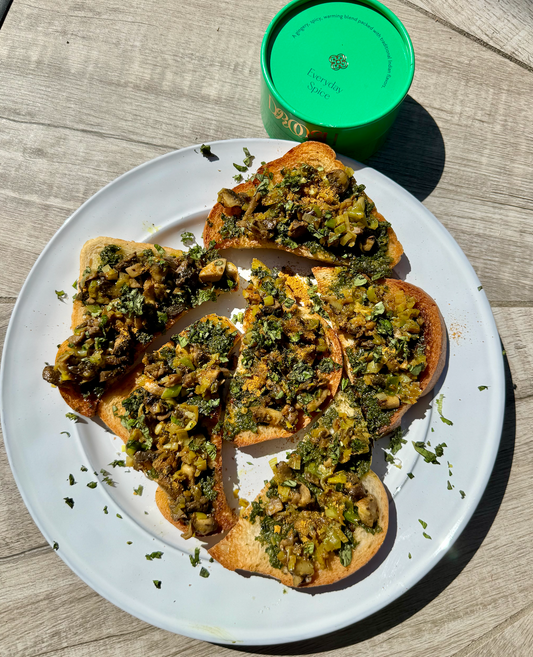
(468, 35)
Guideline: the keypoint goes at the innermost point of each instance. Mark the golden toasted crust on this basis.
(113, 399)
(240, 551)
(245, 438)
(434, 330)
(89, 257)
(310, 152)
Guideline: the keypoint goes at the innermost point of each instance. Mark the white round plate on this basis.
(156, 202)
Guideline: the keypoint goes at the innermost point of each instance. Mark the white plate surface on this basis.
(156, 202)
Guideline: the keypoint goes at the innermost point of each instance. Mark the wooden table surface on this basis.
(91, 89)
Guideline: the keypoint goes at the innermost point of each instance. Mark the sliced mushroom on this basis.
(305, 495)
(338, 179)
(267, 415)
(230, 199)
(213, 272)
(204, 526)
(389, 402)
(369, 243)
(274, 506)
(136, 270)
(367, 508)
(231, 271)
(297, 229)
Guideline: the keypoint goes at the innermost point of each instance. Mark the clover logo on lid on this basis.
(338, 61)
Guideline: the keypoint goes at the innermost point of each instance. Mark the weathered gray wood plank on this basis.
(504, 24)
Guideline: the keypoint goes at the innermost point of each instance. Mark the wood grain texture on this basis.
(504, 24)
(138, 79)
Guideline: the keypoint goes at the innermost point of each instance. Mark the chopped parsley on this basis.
(153, 555)
(119, 516)
(206, 151)
(83, 469)
(139, 490)
(439, 409)
(410, 475)
(195, 560)
(56, 545)
(60, 294)
(424, 524)
(69, 502)
(107, 478)
(187, 238)
(426, 535)
(92, 484)
(240, 167)
(118, 463)
(66, 432)
(105, 510)
(157, 583)
(73, 417)
(482, 388)
(71, 480)
(463, 494)
(204, 572)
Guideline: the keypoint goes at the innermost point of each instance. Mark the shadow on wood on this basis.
(414, 153)
(442, 575)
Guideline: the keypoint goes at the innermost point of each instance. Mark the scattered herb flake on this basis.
(71, 480)
(153, 555)
(450, 487)
(345, 382)
(188, 238)
(238, 318)
(129, 542)
(195, 560)
(239, 167)
(119, 516)
(75, 285)
(410, 475)
(409, 555)
(429, 457)
(439, 409)
(238, 178)
(60, 294)
(463, 494)
(248, 160)
(107, 478)
(482, 388)
(92, 484)
(105, 510)
(424, 524)
(55, 545)
(204, 572)
(65, 432)
(83, 468)
(118, 463)
(480, 287)
(426, 535)
(139, 490)
(157, 583)
(72, 416)
(206, 151)
(69, 502)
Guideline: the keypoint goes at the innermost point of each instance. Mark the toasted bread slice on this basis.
(432, 333)
(240, 549)
(198, 342)
(274, 346)
(139, 309)
(323, 159)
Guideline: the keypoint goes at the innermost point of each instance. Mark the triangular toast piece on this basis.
(166, 412)
(128, 294)
(307, 203)
(323, 515)
(289, 367)
(393, 339)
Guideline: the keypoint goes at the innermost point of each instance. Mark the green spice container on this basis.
(335, 72)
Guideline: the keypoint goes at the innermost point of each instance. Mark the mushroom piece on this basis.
(136, 270)
(367, 509)
(389, 402)
(267, 415)
(305, 495)
(213, 272)
(204, 526)
(274, 506)
(231, 271)
(338, 179)
(230, 199)
(297, 229)
(369, 243)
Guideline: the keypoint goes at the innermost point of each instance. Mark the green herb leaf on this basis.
(450, 487)
(429, 456)
(290, 483)
(195, 560)
(239, 167)
(345, 382)
(187, 238)
(409, 555)
(92, 484)
(238, 178)
(56, 545)
(119, 516)
(483, 388)
(71, 480)
(153, 555)
(157, 583)
(105, 510)
(129, 542)
(118, 463)
(359, 280)
(206, 151)
(204, 572)
(138, 491)
(83, 468)
(73, 417)
(463, 494)
(238, 318)
(65, 432)
(439, 409)
(480, 287)
(410, 475)
(424, 524)
(60, 294)
(426, 535)
(69, 502)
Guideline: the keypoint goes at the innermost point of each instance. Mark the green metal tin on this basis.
(336, 72)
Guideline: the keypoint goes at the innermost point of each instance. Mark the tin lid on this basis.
(339, 64)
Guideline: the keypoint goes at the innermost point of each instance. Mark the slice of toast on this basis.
(139, 291)
(265, 212)
(312, 500)
(289, 368)
(354, 325)
(197, 355)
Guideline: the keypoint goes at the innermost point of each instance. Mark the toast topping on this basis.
(327, 213)
(383, 339)
(127, 299)
(285, 361)
(317, 502)
(168, 416)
